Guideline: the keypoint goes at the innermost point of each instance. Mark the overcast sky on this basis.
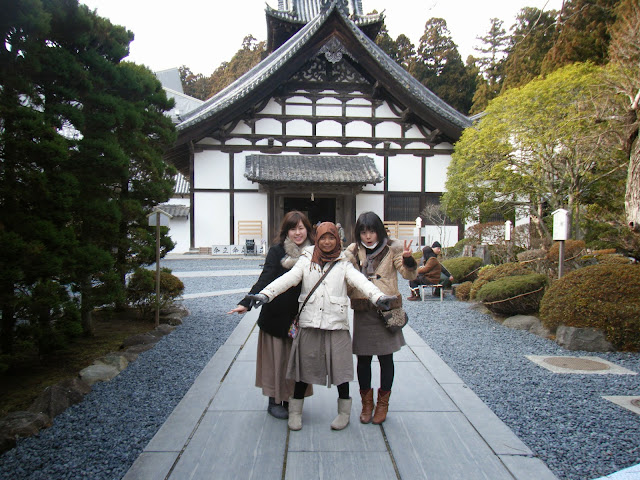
(203, 33)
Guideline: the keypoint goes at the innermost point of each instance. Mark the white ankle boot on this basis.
(344, 413)
(295, 413)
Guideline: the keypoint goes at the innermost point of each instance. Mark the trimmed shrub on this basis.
(141, 290)
(462, 291)
(491, 273)
(599, 296)
(514, 295)
(532, 255)
(572, 249)
(463, 268)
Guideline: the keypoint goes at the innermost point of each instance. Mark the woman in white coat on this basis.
(321, 352)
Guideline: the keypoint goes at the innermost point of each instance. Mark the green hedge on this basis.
(604, 296)
(463, 268)
(514, 295)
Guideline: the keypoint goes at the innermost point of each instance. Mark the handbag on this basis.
(295, 324)
(394, 319)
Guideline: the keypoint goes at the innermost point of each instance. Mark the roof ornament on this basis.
(333, 50)
(342, 5)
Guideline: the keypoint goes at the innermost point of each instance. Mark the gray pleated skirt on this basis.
(271, 367)
(371, 337)
(321, 357)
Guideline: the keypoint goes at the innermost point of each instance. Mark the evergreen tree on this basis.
(491, 65)
(249, 55)
(439, 67)
(533, 36)
(583, 33)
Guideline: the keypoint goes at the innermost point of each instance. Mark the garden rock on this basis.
(140, 339)
(587, 339)
(98, 373)
(528, 323)
(117, 360)
(22, 424)
(138, 349)
(57, 398)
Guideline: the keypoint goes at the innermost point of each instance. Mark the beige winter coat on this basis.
(385, 273)
(328, 307)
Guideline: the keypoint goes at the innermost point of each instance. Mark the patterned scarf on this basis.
(320, 257)
(368, 267)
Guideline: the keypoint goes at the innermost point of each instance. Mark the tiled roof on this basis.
(303, 11)
(175, 210)
(182, 185)
(258, 75)
(311, 169)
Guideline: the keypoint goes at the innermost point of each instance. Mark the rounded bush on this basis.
(491, 273)
(463, 268)
(462, 291)
(141, 290)
(600, 296)
(572, 249)
(514, 295)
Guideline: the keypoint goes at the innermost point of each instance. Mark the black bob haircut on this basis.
(370, 221)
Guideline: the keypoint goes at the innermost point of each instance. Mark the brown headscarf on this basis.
(320, 257)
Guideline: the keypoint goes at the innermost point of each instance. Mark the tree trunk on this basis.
(86, 308)
(6, 328)
(632, 196)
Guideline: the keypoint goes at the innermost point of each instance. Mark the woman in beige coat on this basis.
(380, 259)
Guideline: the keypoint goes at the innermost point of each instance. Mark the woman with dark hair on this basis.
(380, 258)
(274, 345)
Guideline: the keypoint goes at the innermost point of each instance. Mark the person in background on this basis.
(432, 272)
(343, 238)
(321, 352)
(274, 345)
(380, 259)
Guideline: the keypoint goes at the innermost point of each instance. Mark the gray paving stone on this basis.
(339, 465)
(316, 434)
(415, 390)
(238, 391)
(250, 349)
(243, 445)
(441, 445)
(441, 372)
(151, 466)
(527, 468)
(500, 437)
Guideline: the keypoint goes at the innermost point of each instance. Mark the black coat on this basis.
(277, 315)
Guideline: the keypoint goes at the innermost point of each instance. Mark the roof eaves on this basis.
(254, 77)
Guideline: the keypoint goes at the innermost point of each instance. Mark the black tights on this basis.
(301, 387)
(387, 371)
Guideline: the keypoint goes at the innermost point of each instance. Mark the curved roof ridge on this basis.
(255, 76)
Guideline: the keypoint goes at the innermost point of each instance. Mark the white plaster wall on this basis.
(299, 127)
(212, 219)
(299, 110)
(370, 203)
(268, 126)
(238, 141)
(239, 167)
(328, 144)
(272, 108)
(388, 129)
(358, 129)
(358, 111)
(211, 169)
(404, 173)
(383, 111)
(446, 235)
(413, 132)
(179, 228)
(329, 110)
(251, 206)
(329, 128)
(208, 141)
(241, 128)
(299, 143)
(436, 172)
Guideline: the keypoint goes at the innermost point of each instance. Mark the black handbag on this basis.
(295, 325)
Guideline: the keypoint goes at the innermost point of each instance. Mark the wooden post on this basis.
(561, 258)
(157, 268)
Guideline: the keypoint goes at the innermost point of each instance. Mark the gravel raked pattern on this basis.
(561, 417)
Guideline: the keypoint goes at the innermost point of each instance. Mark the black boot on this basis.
(277, 410)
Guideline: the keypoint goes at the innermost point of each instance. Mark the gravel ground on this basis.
(561, 417)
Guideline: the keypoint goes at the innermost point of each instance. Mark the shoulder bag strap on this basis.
(316, 286)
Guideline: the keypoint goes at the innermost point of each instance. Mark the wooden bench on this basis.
(433, 287)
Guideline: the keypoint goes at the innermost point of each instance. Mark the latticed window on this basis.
(402, 208)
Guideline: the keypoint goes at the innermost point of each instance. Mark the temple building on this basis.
(327, 123)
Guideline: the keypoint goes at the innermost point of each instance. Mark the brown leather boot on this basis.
(367, 405)
(382, 406)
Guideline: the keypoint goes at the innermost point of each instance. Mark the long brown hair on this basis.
(290, 221)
